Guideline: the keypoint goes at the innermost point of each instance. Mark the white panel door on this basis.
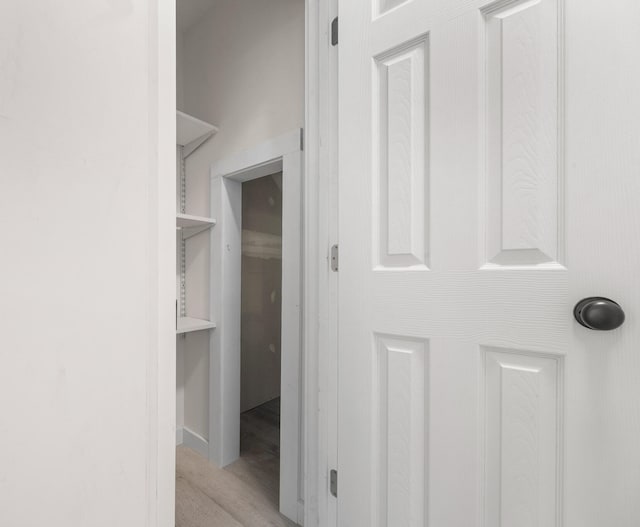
(489, 180)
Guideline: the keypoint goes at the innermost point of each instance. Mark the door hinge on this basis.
(334, 258)
(333, 483)
(334, 32)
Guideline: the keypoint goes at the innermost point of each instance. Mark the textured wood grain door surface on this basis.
(489, 180)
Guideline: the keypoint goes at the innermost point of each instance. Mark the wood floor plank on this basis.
(195, 509)
(259, 463)
(258, 474)
(243, 494)
(245, 504)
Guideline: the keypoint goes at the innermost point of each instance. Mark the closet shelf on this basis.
(191, 225)
(189, 324)
(192, 132)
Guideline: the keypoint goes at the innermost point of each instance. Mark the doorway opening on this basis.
(241, 103)
(270, 472)
(261, 318)
(256, 287)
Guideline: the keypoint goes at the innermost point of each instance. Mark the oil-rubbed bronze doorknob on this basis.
(599, 313)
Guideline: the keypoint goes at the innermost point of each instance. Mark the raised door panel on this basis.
(380, 7)
(523, 438)
(524, 176)
(400, 196)
(400, 445)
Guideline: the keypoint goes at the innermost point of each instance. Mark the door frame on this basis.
(319, 286)
(320, 283)
(161, 369)
(281, 154)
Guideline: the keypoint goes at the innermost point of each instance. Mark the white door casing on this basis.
(280, 154)
(488, 181)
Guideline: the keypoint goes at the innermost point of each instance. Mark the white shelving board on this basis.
(192, 132)
(189, 324)
(187, 221)
(191, 225)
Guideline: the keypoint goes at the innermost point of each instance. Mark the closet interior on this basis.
(240, 86)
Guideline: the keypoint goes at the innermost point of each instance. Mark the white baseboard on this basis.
(179, 436)
(193, 441)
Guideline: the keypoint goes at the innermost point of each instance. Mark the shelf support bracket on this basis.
(190, 148)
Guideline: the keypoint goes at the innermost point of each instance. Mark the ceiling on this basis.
(190, 11)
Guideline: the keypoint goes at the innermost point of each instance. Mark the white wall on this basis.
(85, 301)
(244, 71)
(243, 67)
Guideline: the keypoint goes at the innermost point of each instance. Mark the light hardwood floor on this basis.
(244, 494)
